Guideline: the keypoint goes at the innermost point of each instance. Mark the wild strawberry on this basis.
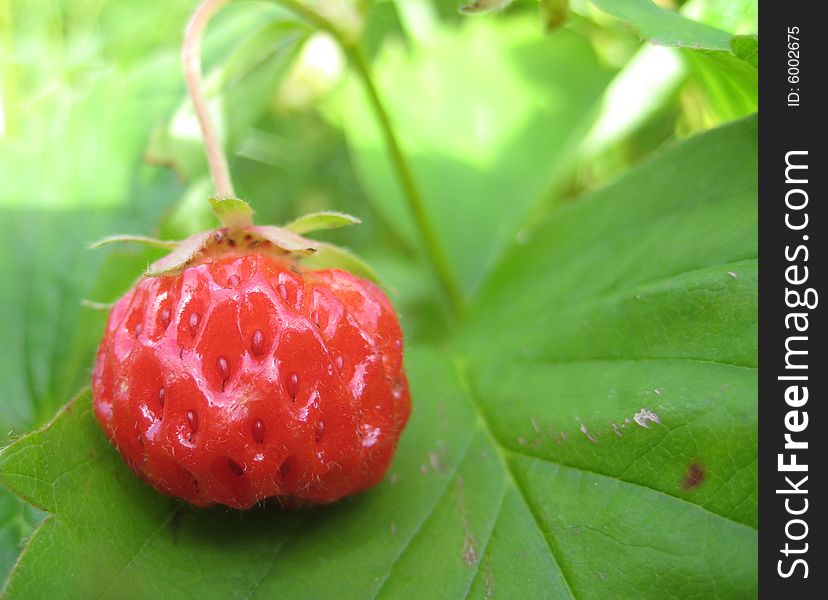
(233, 373)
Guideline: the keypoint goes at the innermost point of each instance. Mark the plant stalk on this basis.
(191, 59)
(434, 249)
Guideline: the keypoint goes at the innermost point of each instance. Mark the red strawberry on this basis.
(239, 375)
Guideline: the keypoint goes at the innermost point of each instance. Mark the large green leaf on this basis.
(644, 295)
(509, 129)
(591, 433)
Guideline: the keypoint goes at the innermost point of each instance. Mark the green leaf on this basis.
(646, 296)
(746, 47)
(724, 84)
(320, 221)
(286, 240)
(723, 88)
(665, 27)
(503, 133)
(45, 253)
(591, 432)
(17, 521)
(181, 256)
(139, 239)
(232, 213)
(613, 357)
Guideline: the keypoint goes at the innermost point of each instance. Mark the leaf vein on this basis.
(152, 534)
(627, 482)
(420, 525)
(553, 553)
(635, 359)
(488, 542)
(272, 562)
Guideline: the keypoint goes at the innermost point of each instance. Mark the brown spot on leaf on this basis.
(469, 552)
(694, 476)
(435, 459)
(489, 581)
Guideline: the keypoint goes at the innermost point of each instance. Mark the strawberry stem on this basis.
(349, 42)
(191, 58)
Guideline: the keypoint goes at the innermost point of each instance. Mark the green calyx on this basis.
(319, 221)
(233, 213)
(238, 234)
